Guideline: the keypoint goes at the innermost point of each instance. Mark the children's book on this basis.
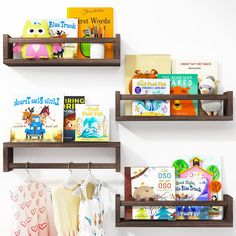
(207, 168)
(70, 117)
(192, 189)
(64, 28)
(150, 183)
(183, 84)
(37, 118)
(151, 107)
(93, 23)
(143, 67)
(92, 123)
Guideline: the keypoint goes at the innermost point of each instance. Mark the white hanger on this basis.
(71, 181)
(90, 179)
(28, 178)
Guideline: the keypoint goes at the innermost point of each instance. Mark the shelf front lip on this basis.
(63, 165)
(174, 97)
(61, 40)
(62, 62)
(174, 118)
(176, 223)
(173, 203)
(62, 144)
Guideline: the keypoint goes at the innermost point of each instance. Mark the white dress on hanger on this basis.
(91, 211)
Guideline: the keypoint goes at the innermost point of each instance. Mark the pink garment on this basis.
(36, 51)
(30, 216)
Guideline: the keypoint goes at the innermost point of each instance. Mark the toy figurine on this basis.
(36, 50)
(208, 86)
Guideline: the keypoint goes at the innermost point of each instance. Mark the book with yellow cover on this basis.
(93, 23)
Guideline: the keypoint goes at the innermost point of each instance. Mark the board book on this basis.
(70, 117)
(93, 23)
(151, 107)
(183, 84)
(36, 118)
(143, 66)
(150, 183)
(207, 168)
(192, 189)
(92, 123)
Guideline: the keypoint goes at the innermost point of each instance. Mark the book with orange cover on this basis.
(93, 23)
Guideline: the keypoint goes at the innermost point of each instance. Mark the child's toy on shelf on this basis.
(36, 29)
(208, 86)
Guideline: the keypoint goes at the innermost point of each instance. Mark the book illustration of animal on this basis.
(139, 75)
(144, 193)
(91, 128)
(44, 113)
(36, 50)
(58, 49)
(207, 86)
(181, 107)
(27, 115)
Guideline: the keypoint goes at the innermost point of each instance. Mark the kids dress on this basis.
(91, 212)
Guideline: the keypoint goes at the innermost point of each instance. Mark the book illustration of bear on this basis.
(181, 107)
(139, 75)
(144, 193)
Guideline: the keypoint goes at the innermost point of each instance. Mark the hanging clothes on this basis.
(30, 216)
(91, 211)
(65, 209)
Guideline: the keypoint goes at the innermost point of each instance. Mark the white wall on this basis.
(183, 28)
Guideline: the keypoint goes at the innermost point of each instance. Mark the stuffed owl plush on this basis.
(37, 29)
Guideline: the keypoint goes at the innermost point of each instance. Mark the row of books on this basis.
(82, 23)
(159, 74)
(48, 118)
(189, 179)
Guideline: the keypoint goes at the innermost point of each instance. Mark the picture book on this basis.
(92, 123)
(36, 118)
(151, 107)
(208, 168)
(150, 183)
(143, 67)
(93, 23)
(183, 84)
(192, 189)
(64, 28)
(70, 117)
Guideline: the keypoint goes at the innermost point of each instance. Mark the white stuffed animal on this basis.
(208, 86)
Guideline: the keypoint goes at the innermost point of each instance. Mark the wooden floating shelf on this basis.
(227, 99)
(227, 221)
(9, 61)
(8, 155)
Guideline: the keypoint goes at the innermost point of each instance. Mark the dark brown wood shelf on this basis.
(9, 61)
(8, 155)
(226, 97)
(227, 221)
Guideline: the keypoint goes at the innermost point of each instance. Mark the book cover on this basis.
(92, 123)
(93, 23)
(143, 67)
(192, 189)
(208, 168)
(64, 28)
(70, 117)
(151, 107)
(37, 118)
(150, 183)
(183, 84)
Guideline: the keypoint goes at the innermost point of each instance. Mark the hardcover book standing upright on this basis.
(183, 84)
(205, 168)
(93, 23)
(143, 67)
(192, 189)
(70, 117)
(37, 118)
(151, 107)
(92, 123)
(150, 183)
